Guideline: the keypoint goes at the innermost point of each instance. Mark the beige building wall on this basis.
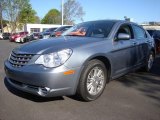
(29, 27)
(153, 27)
(8, 29)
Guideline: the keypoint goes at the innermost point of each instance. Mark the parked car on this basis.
(82, 61)
(30, 37)
(12, 37)
(1, 37)
(6, 36)
(46, 34)
(59, 31)
(156, 35)
(151, 32)
(17, 37)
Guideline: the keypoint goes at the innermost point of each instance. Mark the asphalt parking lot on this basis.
(135, 96)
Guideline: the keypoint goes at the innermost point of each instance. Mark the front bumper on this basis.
(36, 79)
(46, 36)
(18, 40)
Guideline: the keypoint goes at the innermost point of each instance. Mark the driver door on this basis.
(124, 51)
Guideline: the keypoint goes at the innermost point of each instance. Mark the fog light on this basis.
(43, 91)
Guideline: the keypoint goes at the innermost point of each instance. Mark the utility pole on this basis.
(62, 12)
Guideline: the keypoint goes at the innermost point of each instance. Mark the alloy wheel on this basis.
(95, 81)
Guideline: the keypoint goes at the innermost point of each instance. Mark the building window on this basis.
(35, 30)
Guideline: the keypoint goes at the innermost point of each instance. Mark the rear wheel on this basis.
(93, 80)
(150, 61)
(21, 40)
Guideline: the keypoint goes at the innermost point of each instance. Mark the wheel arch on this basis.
(103, 59)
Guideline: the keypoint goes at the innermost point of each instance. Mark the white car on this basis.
(1, 37)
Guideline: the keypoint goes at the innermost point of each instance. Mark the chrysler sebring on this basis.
(81, 61)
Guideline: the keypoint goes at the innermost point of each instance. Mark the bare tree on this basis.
(72, 11)
(2, 7)
(12, 10)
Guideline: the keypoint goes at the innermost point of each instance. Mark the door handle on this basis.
(134, 43)
(148, 41)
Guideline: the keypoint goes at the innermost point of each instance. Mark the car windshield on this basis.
(5, 33)
(36, 34)
(91, 29)
(62, 28)
(47, 30)
(50, 30)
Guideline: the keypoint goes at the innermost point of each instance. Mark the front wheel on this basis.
(93, 80)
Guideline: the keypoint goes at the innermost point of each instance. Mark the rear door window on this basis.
(139, 32)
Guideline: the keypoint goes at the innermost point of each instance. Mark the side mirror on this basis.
(123, 36)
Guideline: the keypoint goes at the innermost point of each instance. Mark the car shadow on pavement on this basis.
(76, 97)
(28, 96)
(147, 83)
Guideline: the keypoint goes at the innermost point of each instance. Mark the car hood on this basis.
(45, 46)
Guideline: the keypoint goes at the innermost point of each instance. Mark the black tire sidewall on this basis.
(83, 81)
(147, 69)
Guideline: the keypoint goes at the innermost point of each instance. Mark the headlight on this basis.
(54, 59)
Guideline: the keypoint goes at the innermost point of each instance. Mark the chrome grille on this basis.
(19, 60)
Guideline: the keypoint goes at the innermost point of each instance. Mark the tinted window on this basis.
(47, 30)
(139, 32)
(151, 32)
(52, 29)
(36, 34)
(6, 34)
(156, 34)
(62, 28)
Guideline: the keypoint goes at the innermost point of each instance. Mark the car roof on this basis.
(105, 21)
(114, 21)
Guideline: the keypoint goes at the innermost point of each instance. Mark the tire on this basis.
(93, 80)
(149, 62)
(21, 40)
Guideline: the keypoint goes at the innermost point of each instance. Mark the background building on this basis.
(38, 27)
(151, 27)
(31, 27)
